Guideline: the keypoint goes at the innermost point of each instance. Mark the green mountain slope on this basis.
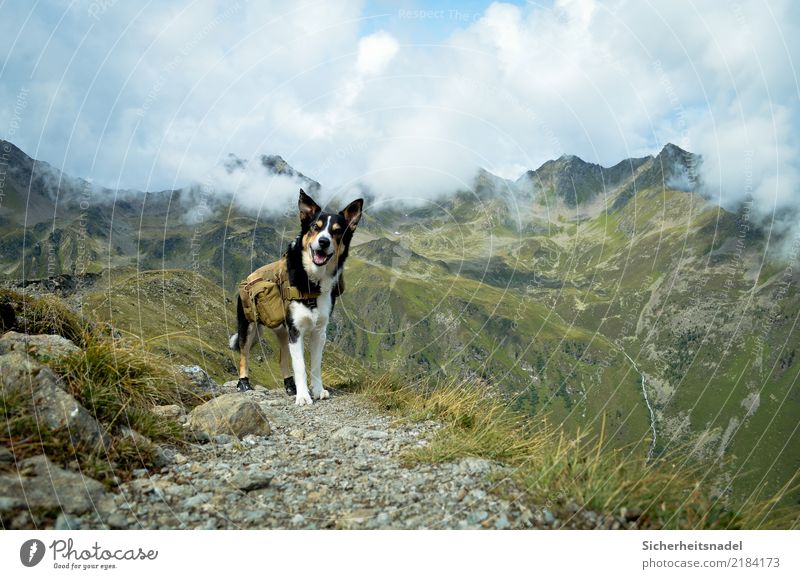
(577, 292)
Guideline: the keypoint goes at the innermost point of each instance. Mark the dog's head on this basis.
(326, 235)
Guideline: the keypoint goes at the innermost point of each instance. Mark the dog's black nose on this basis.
(324, 242)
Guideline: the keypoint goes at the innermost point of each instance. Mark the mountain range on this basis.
(579, 292)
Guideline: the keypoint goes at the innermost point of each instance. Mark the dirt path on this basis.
(332, 465)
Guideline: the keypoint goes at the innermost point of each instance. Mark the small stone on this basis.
(199, 378)
(346, 433)
(6, 456)
(117, 521)
(171, 411)
(549, 518)
(223, 439)
(11, 503)
(250, 440)
(502, 523)
(474, 466)
(66, 522)
(252, 479)
(162, 457)
(197, 500)
(631, 514)
(477, 517)
(256, 516)
(462, 492)
(478, 495)
(180, 458)
(375, 434)
(298, 519)
(298, 434)
(199, 436)
(383, 519)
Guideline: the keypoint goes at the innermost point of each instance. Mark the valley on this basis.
(581, 294)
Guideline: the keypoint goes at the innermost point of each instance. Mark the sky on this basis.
(405, 98)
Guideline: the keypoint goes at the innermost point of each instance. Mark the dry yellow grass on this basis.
(556, 468)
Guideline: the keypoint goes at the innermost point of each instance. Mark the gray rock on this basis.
(199, 378)
(347, 433)
(162, 456)
(11, 503)
(67, 523)
(375, 434)
(252, 479)
(477, 517)
(54, 407)
(197, 500)
(223, 439)
(41, 484)
(199, 436)
(6, 456)
(43, 347)
(474, 466)
(549, 518)
(117, 521)
(233, 414)
(502, 523)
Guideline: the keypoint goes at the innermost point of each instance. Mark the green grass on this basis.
(583, 468)
(116, 380)
(44, 315)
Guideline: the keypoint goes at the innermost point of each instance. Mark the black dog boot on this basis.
(243, 385)
(289, 385)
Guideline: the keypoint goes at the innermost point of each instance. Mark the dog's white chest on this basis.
(306, 319)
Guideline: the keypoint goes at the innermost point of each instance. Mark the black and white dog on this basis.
(314, 263)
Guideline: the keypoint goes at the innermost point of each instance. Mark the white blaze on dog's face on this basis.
(326, 235)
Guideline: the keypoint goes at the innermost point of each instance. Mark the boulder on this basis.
(54, 407)
(236, 414)
(43, 347)
(41, 484)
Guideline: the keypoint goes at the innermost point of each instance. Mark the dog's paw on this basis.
(243, 385)
(322, 394)
(303, 399)
(290, 386)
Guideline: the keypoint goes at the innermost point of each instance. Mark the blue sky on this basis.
(406, 98)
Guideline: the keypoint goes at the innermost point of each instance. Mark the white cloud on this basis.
(375, 52)
(155, 98)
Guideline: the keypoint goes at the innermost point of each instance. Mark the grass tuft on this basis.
(555, 469)
(118, 381)
(40, 315)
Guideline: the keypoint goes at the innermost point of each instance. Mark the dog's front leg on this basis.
(299, 368)
(317, 345)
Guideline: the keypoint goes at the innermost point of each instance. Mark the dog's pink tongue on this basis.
(319, 258)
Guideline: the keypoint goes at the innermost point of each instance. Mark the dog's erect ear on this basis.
(308, 208)
(353, 213)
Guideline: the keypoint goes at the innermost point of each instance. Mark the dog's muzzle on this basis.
(320, 255)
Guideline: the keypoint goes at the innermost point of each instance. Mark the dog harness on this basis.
(266, 294)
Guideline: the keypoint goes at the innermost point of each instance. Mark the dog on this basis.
(312, 266)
